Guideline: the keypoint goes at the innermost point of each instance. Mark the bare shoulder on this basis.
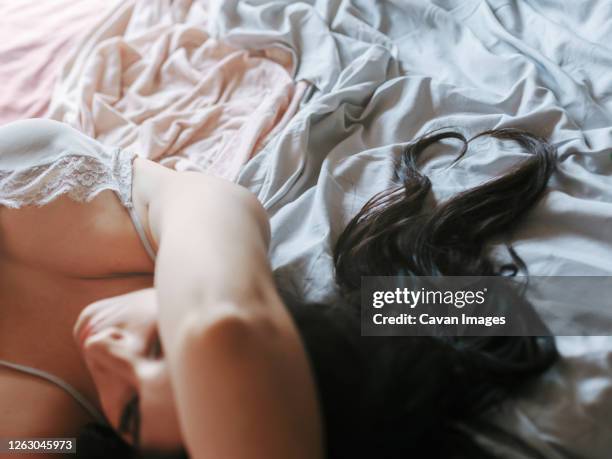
(152, 180)
(159, 190)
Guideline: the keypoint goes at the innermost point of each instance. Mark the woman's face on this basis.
(119, 342)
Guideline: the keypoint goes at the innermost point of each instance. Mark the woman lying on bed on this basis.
(187, 345)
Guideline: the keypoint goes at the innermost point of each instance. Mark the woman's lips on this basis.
(84, 333)
(83, 330)
(86, 322)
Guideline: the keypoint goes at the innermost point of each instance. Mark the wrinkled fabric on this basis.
(387, 72)
(149, 79)
(568, 413)
(35, 39)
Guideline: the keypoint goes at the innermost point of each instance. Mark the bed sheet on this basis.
(35, 38)
(386, 72)
(149, 78)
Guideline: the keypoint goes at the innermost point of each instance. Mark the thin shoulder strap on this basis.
(141, 232)
(75, 394)
(126, 187)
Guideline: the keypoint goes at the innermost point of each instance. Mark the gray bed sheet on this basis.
(385, 72)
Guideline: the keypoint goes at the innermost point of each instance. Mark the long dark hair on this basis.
(401, 397)
(393, 232)
(412, 396)
(397, 397)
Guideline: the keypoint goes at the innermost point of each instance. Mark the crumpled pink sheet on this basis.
(35, 38)
(149, 78)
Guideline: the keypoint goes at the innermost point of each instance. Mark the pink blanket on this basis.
(149, 78)
(35, 37)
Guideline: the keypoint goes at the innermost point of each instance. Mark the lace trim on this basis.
(80, 177)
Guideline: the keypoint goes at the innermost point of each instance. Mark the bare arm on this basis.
(239, 370)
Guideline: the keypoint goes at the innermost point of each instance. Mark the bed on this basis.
(347, 85)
